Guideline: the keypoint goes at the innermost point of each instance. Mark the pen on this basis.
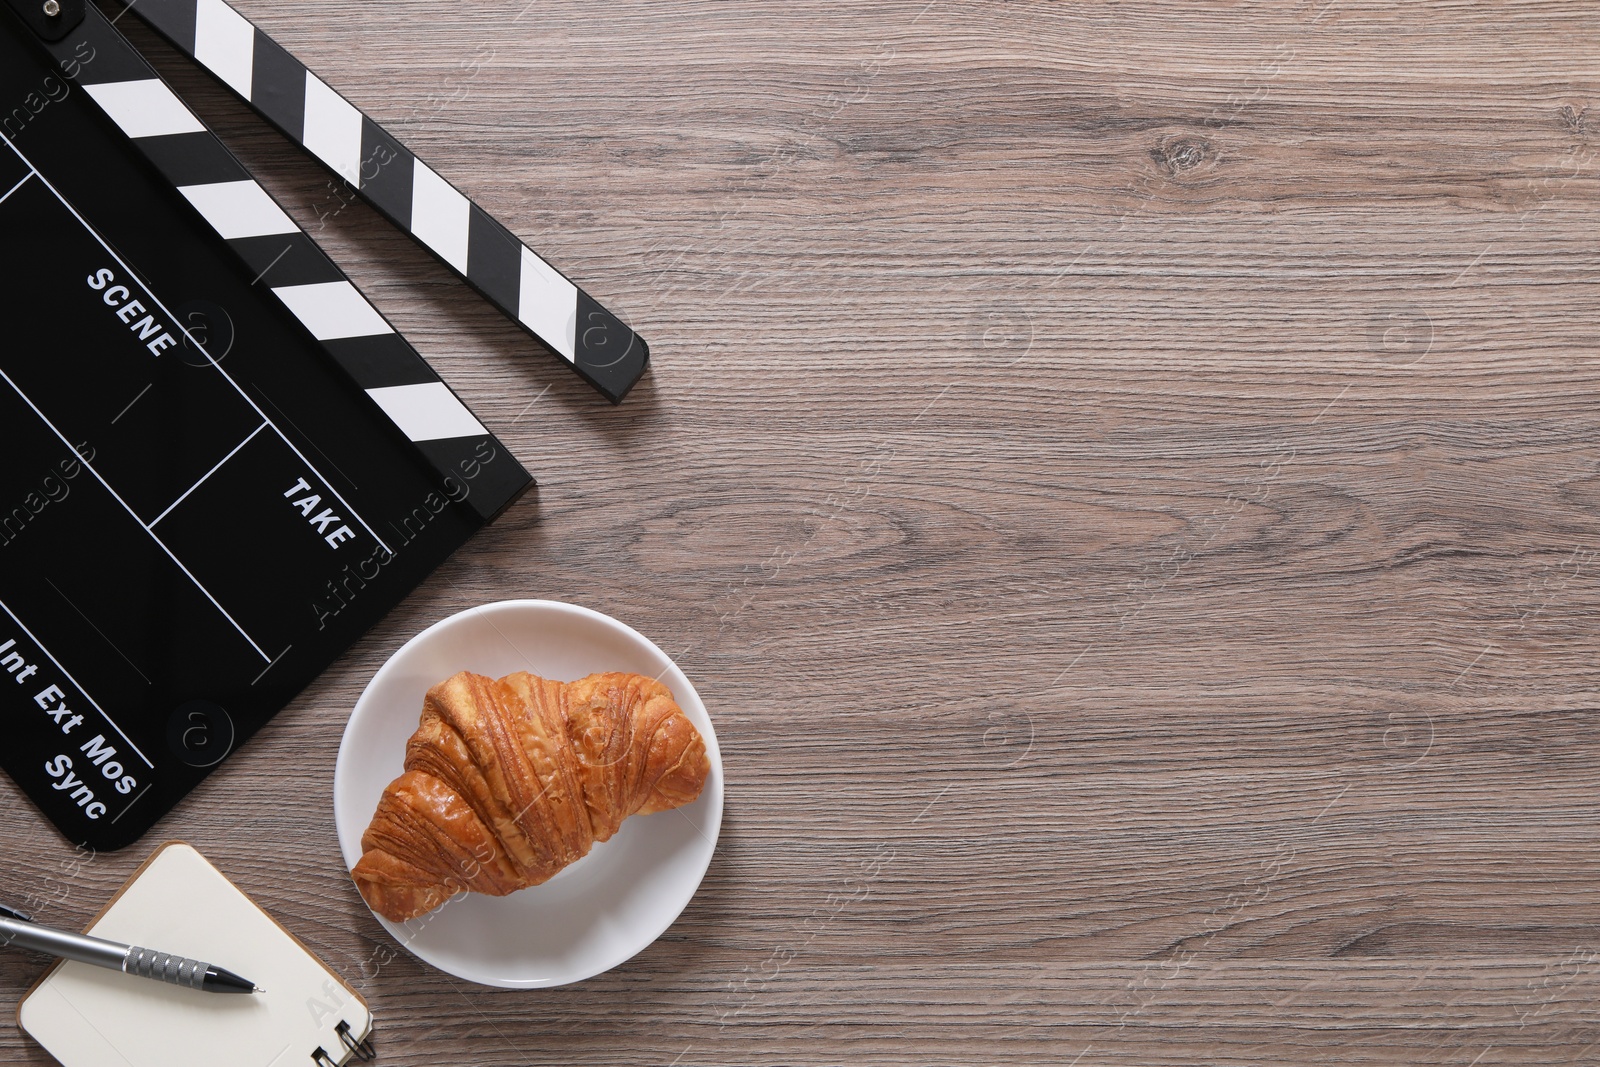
(16, 930)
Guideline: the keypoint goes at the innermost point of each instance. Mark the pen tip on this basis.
(260, 990)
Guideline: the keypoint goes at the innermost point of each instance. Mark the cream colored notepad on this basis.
(177, 902)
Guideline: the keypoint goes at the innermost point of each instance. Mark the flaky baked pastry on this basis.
(507, 781)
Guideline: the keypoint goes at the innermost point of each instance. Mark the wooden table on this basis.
(1124, 477)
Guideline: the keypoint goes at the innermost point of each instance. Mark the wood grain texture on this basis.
(1125, 479)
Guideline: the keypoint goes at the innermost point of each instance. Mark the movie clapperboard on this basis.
(219, 464)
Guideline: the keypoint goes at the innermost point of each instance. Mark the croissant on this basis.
(508, 781)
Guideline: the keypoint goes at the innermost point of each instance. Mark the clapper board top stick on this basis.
(404, 189)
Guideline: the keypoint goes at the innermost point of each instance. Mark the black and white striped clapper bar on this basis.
(411, 194)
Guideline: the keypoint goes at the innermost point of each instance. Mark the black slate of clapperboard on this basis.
(166, 582)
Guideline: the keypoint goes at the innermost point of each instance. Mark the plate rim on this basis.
(713, 830)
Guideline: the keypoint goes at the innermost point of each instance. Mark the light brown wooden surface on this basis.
(1124, 477)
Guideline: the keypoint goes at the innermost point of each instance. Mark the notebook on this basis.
(178, 902)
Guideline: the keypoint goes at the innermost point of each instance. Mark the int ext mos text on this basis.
(97, 757)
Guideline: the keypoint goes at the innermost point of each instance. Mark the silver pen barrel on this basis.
(92, 950)
(98, 952)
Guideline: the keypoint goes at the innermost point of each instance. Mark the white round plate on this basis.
(599, 911)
